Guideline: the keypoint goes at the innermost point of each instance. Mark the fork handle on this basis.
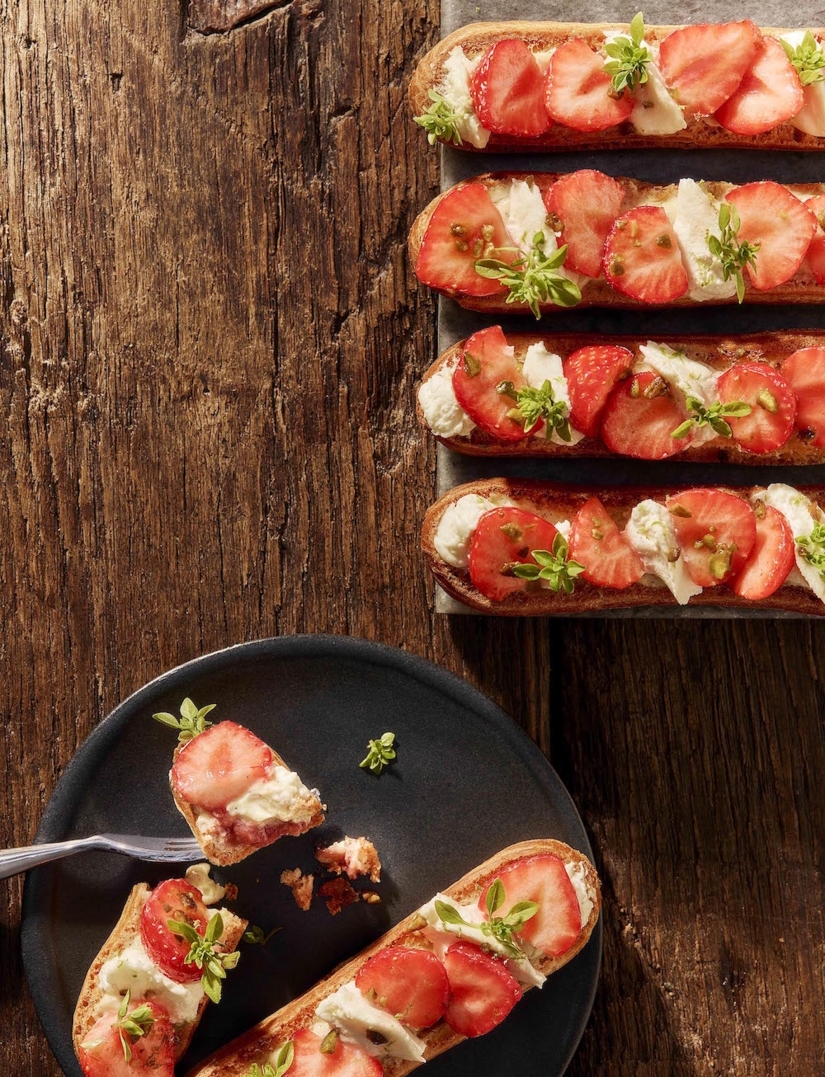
(13, 861)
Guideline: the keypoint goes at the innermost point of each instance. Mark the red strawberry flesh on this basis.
(716, 532)
(772, 402)
(596, 542)
(483, 991)
(409, 983)
(640, 417)
(804, 370)
(768, 95)
(780, 223)
(344, 1060)
(507, 89)
(178, 900)
(578, 92)
(487, 361)
(219, 765)
(101, 1052)
(502, 538)
(592, 373)
(642, 258)
(704, 64)
(586, 203)
(771, 559)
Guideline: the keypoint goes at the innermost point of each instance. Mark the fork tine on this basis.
(154, 849)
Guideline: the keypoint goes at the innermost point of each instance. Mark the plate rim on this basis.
(437, 677)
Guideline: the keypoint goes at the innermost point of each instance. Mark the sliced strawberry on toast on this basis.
(592, 373)
(597, 543)
(771, 559)
(503, 538)
(642, 258)
(482, 990)
(487, 362)
(703, 65)
(640, 416)
(338, 1059)
(579, 92)
(219, 765)
(507, 89)
(464, 227)
(716, 532)
(178, 900)
(586, 204)
(780, 223)
(772, 402)
(409, 983)
(769, 94)
(804, 370)
(542, 878)
(816, 248)
(140, 1040)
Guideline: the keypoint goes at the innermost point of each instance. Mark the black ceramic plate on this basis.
(467, 782)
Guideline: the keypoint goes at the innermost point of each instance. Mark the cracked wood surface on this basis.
(210, 16)
(210, 341)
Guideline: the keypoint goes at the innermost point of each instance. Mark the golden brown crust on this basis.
(802, 288)
(477, 38)
(556, 501)
(125, 930)
(215, 847)
(717, 352)
(235, 1059)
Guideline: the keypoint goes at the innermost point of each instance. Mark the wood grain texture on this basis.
(210, 339)
(214, 16)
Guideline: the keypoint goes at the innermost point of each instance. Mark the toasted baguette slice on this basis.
(720, 353)
(555, 502)
(477, 38)
(219, 845)
(236, 1058)
(125, 930)
(801, 288)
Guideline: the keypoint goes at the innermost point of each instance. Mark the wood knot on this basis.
(18, 314)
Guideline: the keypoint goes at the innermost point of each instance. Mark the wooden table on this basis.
(210, 341)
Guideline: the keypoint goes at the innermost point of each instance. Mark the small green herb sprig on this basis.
(812, 548)
(191, 722)
(714, 416)
(134, 1024)
(501, 928)
(283, 1060)
(441, 121)
(381, 753)
(733, 255)
(555, 567)
(808, 59)
(533, 405)
(255, 936)
(533, 277)
(629, 58)
(203, 952)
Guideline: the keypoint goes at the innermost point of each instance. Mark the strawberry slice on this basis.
(640, 417)
(578, 91)
(716, 532)
(483, 991)
(465, 225)
(591, 374)
(772, 401)
(804, 370)
(411, 984)
(597, 543)
(769, 94)
(102, 1053)
(502, 538)
(344, 1060)
(780, 223)
(174, 899)
(816, 249)
(772, 557)
(507, 89)
(586, 203)
(704, 64)
(642, 258)
(219, 765)
(542, 878)
(486, 361)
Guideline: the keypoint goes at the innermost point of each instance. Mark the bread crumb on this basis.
(338, 894)
(355, 856)
(301, 886)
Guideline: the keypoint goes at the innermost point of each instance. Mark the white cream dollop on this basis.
(455, 528)
(353, 1015)
(577, 874)
(211, 891)
(695, 216)
(651, 533)
(441, 933)
(540, 366)
(687, 376)
(455, 89)
(802, 516)
(445, 416)
(280, 797)
(134, 970)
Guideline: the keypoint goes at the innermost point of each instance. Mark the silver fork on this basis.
(13, 861)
